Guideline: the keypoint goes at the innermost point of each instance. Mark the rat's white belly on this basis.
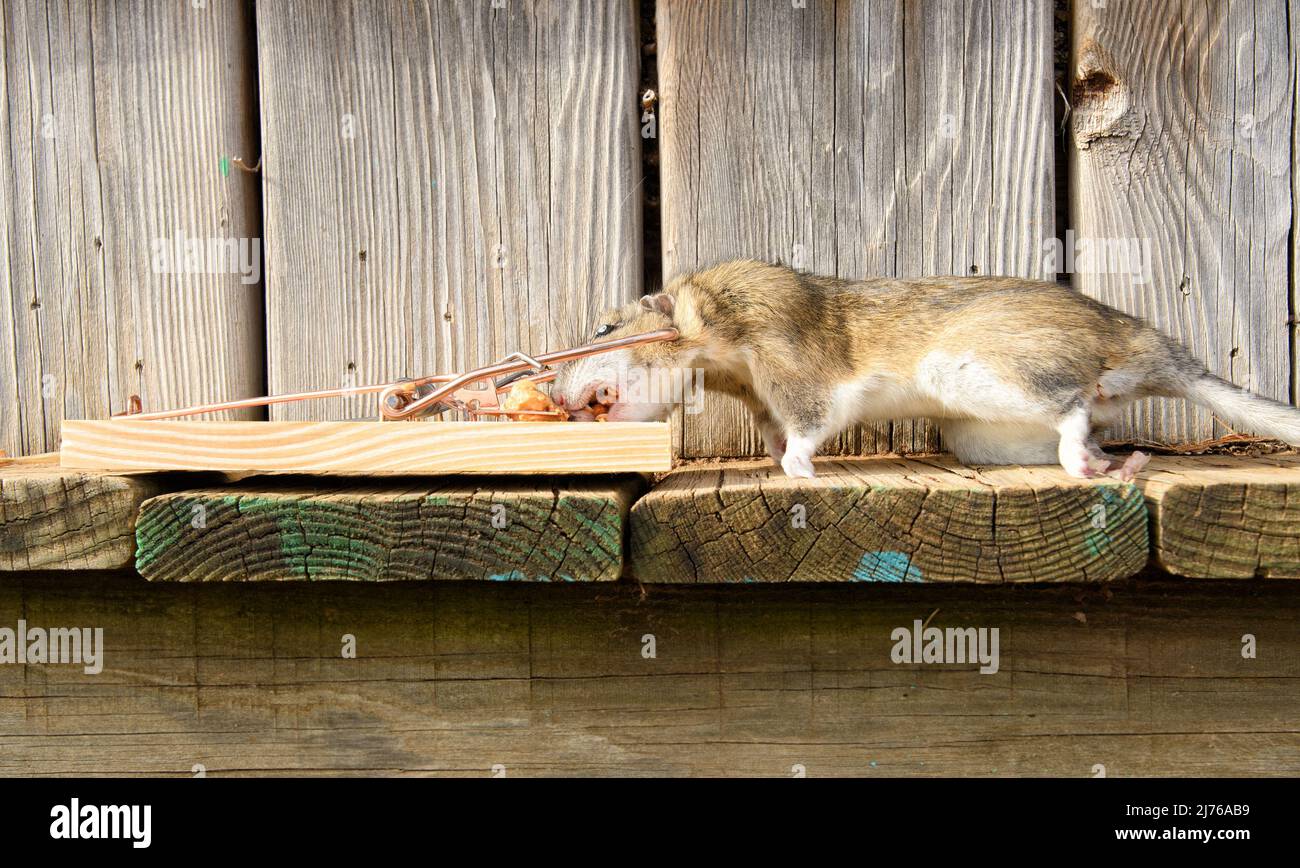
(967, 388)
(879, 398)
(943, 386)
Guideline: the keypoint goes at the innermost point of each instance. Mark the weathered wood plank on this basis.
(56, 519)
(1225, 517)
(459, 182)
(457, 678)
(368, 447)
(887, 520)
(1293, 18)
(116, 118)
(502, 530)
(10, 425)
(853, 138)
(1182, 145)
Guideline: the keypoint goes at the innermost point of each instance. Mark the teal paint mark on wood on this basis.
(886, 567)
(520, 576)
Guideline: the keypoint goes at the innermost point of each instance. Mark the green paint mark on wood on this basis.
(1114, 506)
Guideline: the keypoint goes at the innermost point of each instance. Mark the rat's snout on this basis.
(591, 392)
(591, 380)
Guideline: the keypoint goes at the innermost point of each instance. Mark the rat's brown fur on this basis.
(1015, 370)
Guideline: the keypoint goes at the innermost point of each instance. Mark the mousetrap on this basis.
(539, 442)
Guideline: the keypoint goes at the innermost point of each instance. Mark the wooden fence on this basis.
(442, 181)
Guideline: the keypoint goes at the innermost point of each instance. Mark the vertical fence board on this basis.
(856, 138)
(10, 418)
(1293, 31)
(458, 182)
(1182, 126)
(116, 118)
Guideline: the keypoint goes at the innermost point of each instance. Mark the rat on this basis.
(1014, 371)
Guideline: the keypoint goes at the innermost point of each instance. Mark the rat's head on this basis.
(612, 379)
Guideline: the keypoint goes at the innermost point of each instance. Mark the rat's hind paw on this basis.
(1130, 468)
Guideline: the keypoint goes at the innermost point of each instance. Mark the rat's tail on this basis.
(1243, 409)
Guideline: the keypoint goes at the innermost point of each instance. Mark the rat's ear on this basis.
(660, 302)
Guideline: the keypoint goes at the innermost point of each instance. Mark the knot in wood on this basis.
(1100, 101)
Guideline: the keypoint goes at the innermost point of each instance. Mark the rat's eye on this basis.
(606, 329)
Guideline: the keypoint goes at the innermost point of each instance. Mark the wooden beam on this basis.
(503, 530)
(855, 138)
(116, 120)
(1181, 165)
(454, 678)
(368, 447)
(887, 520)
(56, 519)
(462, 180)
(1222, 517)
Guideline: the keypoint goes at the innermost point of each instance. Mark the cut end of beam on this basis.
(1225, 517)
(56, 519)
(888, 520)
(560, 530)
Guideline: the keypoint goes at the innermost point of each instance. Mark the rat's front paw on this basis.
(797, 466)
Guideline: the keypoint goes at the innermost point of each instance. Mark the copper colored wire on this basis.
(396, 399)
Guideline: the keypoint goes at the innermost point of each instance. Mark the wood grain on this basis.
(453, 678)
(1225, 517)
(858, 139)
(368, 447)
(460, 181)
(887, 520)
(1182, 140)
(1293, 321)
(545, 530)
(57, 519)
(116, 118)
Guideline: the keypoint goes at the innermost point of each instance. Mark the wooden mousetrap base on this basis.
(367, 447)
